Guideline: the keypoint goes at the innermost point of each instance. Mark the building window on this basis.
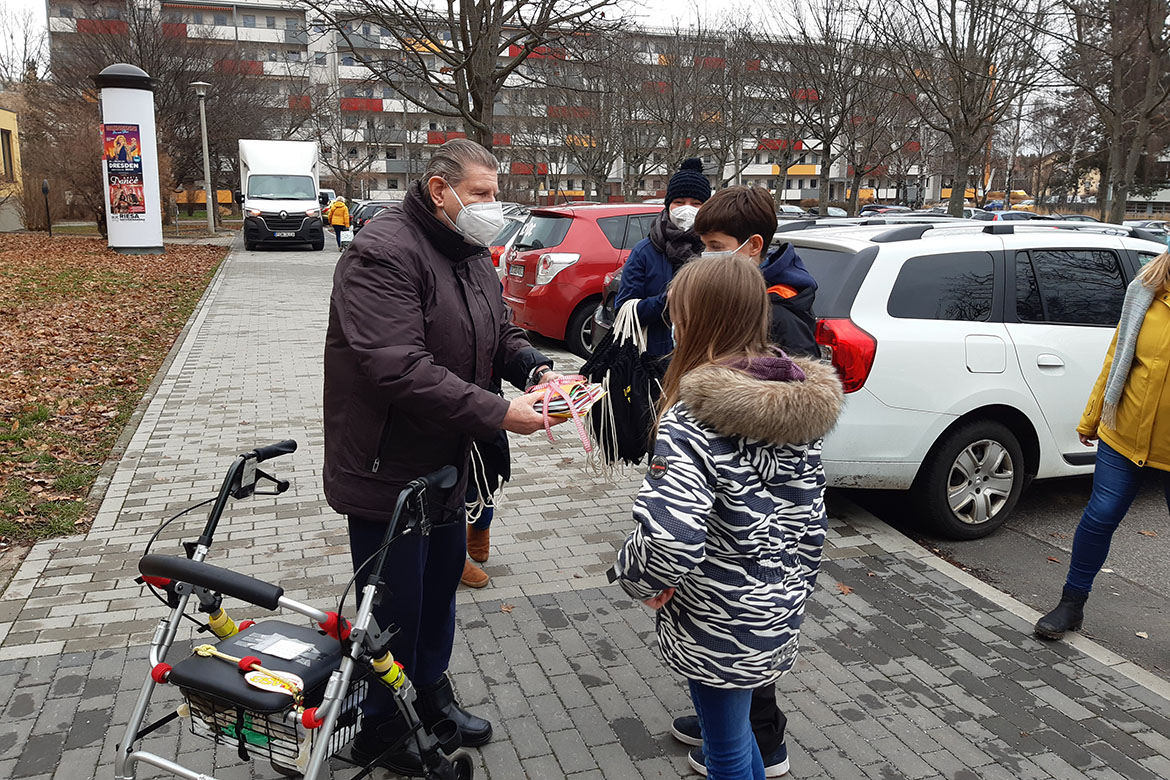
(391, 152)
(220, 20)
(347, 59)
(65, 11)
(197, 17)
(352, 154)
(366, 30)
(387, 92)
(272, 56)
(294, 56)
(432, 126)
(291, 24)
(392, 184)
(385, 33)
(249, 20)
(113, 13)
(270, 22)
(319, 58)
(812, 184)
(9, 172)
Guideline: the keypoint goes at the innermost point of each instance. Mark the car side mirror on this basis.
(239, 197)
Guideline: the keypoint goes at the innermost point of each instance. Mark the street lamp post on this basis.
(201, 88)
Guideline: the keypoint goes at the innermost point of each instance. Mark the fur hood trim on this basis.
(735, 404)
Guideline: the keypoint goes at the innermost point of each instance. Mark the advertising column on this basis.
(130, 160)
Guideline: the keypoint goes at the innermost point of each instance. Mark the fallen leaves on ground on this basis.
(84, 331)
(507, 608)
(1141, 635)
(1053, 560)
(1148, 533)
(844, 589)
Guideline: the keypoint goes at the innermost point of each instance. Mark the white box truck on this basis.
(279, 193)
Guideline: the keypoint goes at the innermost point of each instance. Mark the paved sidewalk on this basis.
(910, 670)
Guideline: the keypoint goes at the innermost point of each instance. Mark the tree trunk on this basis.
(959, 183)
(854, 195)
(826, 170)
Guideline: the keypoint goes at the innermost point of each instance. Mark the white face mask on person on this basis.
(725, 254)
(684, 216)
(479, 223)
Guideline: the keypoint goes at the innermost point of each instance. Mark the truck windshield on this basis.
(276, 187)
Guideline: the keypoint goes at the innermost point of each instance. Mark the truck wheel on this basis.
(319, 245)
(579, 331)
(970, 481)
(250, 246)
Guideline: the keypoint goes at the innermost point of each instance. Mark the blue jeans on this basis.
(1116, 481)
(728, 742)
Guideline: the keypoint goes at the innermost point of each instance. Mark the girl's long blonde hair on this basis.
(720, 312)
(1156, 273)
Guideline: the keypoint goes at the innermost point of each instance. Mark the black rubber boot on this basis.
(370, 744)
(1068, 615)
(437, 701)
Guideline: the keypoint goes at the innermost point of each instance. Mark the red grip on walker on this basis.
(247, 662)
(330, 626)
(160, 673)
(246, 624)
(310, 720)
(158, 582)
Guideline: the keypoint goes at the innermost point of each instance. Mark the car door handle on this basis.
(1049, 361)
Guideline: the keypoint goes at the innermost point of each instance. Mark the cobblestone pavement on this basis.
(912, 670)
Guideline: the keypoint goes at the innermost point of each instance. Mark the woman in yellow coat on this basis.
(1129, 412)
(338, 216)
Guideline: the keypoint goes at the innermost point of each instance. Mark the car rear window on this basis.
(543, 231)
(838, 275)
(956, 286)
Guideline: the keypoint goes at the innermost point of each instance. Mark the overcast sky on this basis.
(656, 13)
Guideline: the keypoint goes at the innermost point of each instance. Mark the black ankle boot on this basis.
(437, 701)
(370, 744)
(1068, 615)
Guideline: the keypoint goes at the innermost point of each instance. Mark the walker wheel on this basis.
(462, 766)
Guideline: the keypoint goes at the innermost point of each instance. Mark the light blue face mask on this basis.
(672, 338)
(726, 254)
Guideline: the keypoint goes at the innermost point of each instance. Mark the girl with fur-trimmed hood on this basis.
(731, 515)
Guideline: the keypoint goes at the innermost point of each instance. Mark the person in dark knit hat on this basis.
(654, 261)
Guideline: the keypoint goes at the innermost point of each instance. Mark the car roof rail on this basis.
(903, 233)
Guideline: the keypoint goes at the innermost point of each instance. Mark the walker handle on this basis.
(274, 450)
(231, 583)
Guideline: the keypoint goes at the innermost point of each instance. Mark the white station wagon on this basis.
(968, 351)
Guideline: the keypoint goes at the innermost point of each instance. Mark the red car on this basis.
(556, 268)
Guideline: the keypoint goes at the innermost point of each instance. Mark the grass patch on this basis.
(85, 330)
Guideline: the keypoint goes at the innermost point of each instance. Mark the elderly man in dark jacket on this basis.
(417, 326)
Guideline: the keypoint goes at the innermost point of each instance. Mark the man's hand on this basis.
(522, 418)
(1088, 441)
(659, 601)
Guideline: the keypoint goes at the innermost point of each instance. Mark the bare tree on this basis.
(813, 61)
(968, 61)
(876, 134)
(23, 49)
(734, 102)
(455, 63)
(1117, 54)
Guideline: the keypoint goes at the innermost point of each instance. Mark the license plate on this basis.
(283, 234)
(516, 269)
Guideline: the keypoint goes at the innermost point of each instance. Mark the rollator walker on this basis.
(289, 694)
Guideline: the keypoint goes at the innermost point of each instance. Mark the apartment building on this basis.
(374, 142)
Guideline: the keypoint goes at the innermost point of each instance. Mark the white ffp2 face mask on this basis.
(684, 216)
(479, 223)
(727, 254)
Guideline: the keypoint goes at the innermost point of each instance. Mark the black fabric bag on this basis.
(622, 421)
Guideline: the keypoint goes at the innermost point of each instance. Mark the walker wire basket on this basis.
(224, 707)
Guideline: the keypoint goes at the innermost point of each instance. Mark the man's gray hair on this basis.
(452, 160)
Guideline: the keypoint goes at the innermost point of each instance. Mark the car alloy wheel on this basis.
(980, 482)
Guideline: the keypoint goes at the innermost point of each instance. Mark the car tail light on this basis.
(552, 263)
(497, 251)
(850, 349)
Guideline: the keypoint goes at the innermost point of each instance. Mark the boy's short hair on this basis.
(741, 212)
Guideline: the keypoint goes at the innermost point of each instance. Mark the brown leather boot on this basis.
(477, 543)
(473, 576)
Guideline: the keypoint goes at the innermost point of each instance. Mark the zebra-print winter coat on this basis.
(732, 515)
